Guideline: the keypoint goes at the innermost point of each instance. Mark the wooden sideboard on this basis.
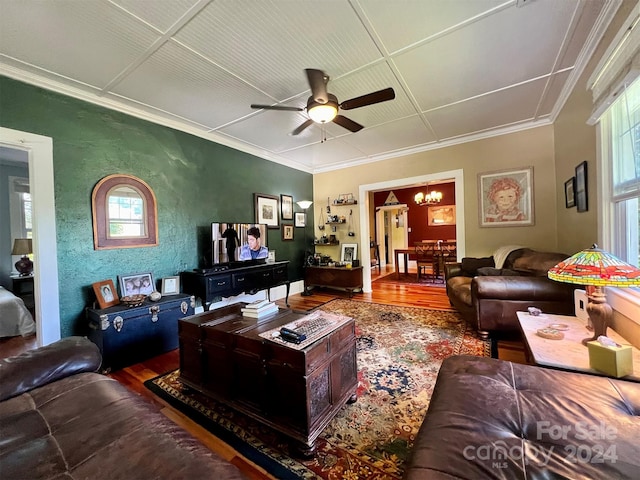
(296, 391)
(343, 278)
(224, 281)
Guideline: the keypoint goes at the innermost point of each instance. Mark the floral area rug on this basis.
(399, 353)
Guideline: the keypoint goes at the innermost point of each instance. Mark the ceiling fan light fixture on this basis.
(323, 113)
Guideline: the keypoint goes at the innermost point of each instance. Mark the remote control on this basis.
(291, 335)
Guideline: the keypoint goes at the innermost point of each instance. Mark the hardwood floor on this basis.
(387, 293)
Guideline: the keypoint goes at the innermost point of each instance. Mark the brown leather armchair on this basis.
(488, 298)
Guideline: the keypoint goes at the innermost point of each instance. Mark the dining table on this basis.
(411, 251)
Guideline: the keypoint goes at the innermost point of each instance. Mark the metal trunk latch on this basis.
(154, 312)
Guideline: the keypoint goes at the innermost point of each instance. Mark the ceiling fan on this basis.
(322, 106)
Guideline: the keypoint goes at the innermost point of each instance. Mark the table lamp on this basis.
(596, 269)
(24, 247)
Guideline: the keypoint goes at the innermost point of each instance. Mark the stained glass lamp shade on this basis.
(596, 269)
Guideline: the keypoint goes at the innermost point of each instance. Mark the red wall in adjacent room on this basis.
(417, 216)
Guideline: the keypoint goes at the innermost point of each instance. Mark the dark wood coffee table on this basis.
(296, 391)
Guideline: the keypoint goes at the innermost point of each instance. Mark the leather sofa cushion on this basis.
(538, 263)
(90, 426)
(461, 288)
(493, 419)
(497, 272)
(470, 265)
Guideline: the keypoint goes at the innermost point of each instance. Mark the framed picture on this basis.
(136, 283)
(266, 210)
(349, 252)
(505, 198)
(301, 219)
(286, 207)
(287, 232)
(441, 215)
(582, 197)
(569, 197)
(170, 285)
(105, 293)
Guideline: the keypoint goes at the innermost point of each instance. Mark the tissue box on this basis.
(614, 361)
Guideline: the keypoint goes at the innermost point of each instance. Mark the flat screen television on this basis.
(228, 240)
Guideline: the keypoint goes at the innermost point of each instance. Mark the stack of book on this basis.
(259, 309)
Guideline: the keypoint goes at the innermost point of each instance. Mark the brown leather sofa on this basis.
(488, 298)
(59, 419)
(493, 419)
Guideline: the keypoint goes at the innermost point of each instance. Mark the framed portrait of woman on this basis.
(506, 198)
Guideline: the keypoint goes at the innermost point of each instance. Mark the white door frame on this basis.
(365, 228)
(45, 268)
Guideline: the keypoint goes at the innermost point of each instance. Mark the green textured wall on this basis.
(195, 182)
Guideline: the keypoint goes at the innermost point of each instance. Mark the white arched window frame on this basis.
(615, 85)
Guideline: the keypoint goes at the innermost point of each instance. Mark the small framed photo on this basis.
(349, 252)
(287, 232)
(506, 198)
(138, 283)
(286, 207)
(582, 197)
(266, 210)
(272, 256)
(569, 196)
(301, 219)
(170, 285)
(106, 293)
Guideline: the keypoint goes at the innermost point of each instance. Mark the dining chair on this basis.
(426, 259)
(375, 255)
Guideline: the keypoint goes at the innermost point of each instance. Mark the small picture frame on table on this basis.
(170, 285)
(349, 252)
(105, 294)
(569, 193)
(136, 284)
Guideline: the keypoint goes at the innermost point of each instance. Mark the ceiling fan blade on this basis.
(318, 83)
(369, 99)
(277, 107)
(347, 123)
(304, 125)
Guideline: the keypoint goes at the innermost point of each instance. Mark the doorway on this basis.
(365, 206)
(392, 232)
(40, 152)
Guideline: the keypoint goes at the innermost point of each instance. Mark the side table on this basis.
(23, 288)
(342, 278)
(568, 353)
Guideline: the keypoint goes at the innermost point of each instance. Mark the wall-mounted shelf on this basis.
(342, 204)
(328, 244)
(336, 223)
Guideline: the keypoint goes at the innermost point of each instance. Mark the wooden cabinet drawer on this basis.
(219, 283)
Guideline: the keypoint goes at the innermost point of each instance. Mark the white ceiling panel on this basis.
(457, 67)
(497, 110)
(91, 44)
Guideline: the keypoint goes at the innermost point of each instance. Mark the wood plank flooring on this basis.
(134, 376)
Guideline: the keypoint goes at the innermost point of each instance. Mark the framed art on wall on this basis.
(301, 219)
(582, 198)
(286, 207)
(441, 215)
(569, 196)
(105, 293)
(287, 232)
(266, 210)
(505, 198)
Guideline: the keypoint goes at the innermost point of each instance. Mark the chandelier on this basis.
(430, 198)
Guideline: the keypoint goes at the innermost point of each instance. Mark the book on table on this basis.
(267, 306)
(259, 313)
(257, 304)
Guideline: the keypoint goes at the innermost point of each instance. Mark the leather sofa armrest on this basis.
(47, 364)
(520, 288)
(453, 270)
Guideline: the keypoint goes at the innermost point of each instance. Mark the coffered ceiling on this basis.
(461, 69)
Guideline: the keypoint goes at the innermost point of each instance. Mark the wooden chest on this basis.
(130, 335)
(296, 392)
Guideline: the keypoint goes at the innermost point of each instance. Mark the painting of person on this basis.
(504, 197)
(232, 241)
(107, 294)
(253, 249)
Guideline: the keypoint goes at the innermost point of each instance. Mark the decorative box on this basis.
(614, 361)
(128, 335)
